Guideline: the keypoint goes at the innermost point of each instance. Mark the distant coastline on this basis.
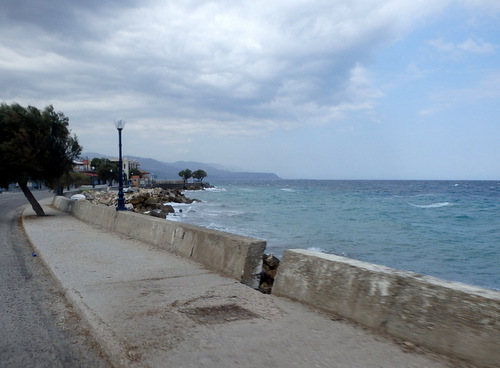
(170, 171)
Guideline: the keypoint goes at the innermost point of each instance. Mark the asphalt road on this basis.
(38, 326)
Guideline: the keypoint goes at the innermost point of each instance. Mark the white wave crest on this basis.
(433, 205)
(215, 189)
(317, 249)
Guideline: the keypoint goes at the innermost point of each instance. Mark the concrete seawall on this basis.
(237, 256)
(449, 318)
(452, 319)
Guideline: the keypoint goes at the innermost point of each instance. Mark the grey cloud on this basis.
(65, 17)
(235, 63)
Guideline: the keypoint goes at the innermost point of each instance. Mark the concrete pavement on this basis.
(150, 308)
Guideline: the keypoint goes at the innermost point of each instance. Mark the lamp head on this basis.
(119, 124)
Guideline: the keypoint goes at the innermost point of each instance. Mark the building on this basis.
(127, 165)
(81, 165)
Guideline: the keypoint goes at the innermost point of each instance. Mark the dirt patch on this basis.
(219, 314)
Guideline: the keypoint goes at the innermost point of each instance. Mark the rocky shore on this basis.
(153, 202)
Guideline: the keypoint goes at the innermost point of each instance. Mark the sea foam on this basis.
(433, 205)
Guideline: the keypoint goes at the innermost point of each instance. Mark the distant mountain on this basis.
(170, 171)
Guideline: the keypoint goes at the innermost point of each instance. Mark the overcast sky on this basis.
(325, 89)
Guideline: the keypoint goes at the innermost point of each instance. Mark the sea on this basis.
(446, 229)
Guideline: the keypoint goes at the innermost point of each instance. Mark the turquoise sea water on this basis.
(447, 229)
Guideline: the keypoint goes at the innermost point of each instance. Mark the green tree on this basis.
(35, 146)
(135, 171)
(185, 174)
(199, 175)
(76, 178)
(105, 169)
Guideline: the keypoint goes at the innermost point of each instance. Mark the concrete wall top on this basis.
(372, 267)
(450, 318)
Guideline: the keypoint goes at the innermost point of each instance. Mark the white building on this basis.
(127, 165)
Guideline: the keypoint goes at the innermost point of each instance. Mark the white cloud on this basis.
(470, 46)
(477, 48)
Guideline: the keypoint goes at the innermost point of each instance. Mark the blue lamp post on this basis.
(120, 124)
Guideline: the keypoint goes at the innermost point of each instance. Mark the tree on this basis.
(76, 178)
(35, 146)
(199, 175)
(135, 171)
(185, 174)
(105, 169)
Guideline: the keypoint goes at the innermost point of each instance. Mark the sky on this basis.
(324, 89)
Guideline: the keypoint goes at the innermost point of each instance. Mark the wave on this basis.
(433, 205)
(211, 189)
(174, 217)
(317, 249)
(177, 204)
(215, 189)
(288, 190)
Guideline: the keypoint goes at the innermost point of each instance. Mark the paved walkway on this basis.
(150, 308)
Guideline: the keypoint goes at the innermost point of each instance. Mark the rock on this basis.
(156, 213)
(106, 200)
(144, 201)
(135, 201)
(151, 202)
(168, 208)
(161, 213)
(89, 196)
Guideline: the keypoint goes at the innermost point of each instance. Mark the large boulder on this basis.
(168, 208)
(151, 201)
(162, 212)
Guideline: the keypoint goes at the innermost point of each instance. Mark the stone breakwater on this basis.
(153, 202)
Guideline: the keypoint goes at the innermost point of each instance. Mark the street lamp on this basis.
(120, 124)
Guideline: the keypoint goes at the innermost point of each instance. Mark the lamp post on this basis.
(120, 124)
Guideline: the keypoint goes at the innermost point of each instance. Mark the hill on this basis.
(170, 171)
